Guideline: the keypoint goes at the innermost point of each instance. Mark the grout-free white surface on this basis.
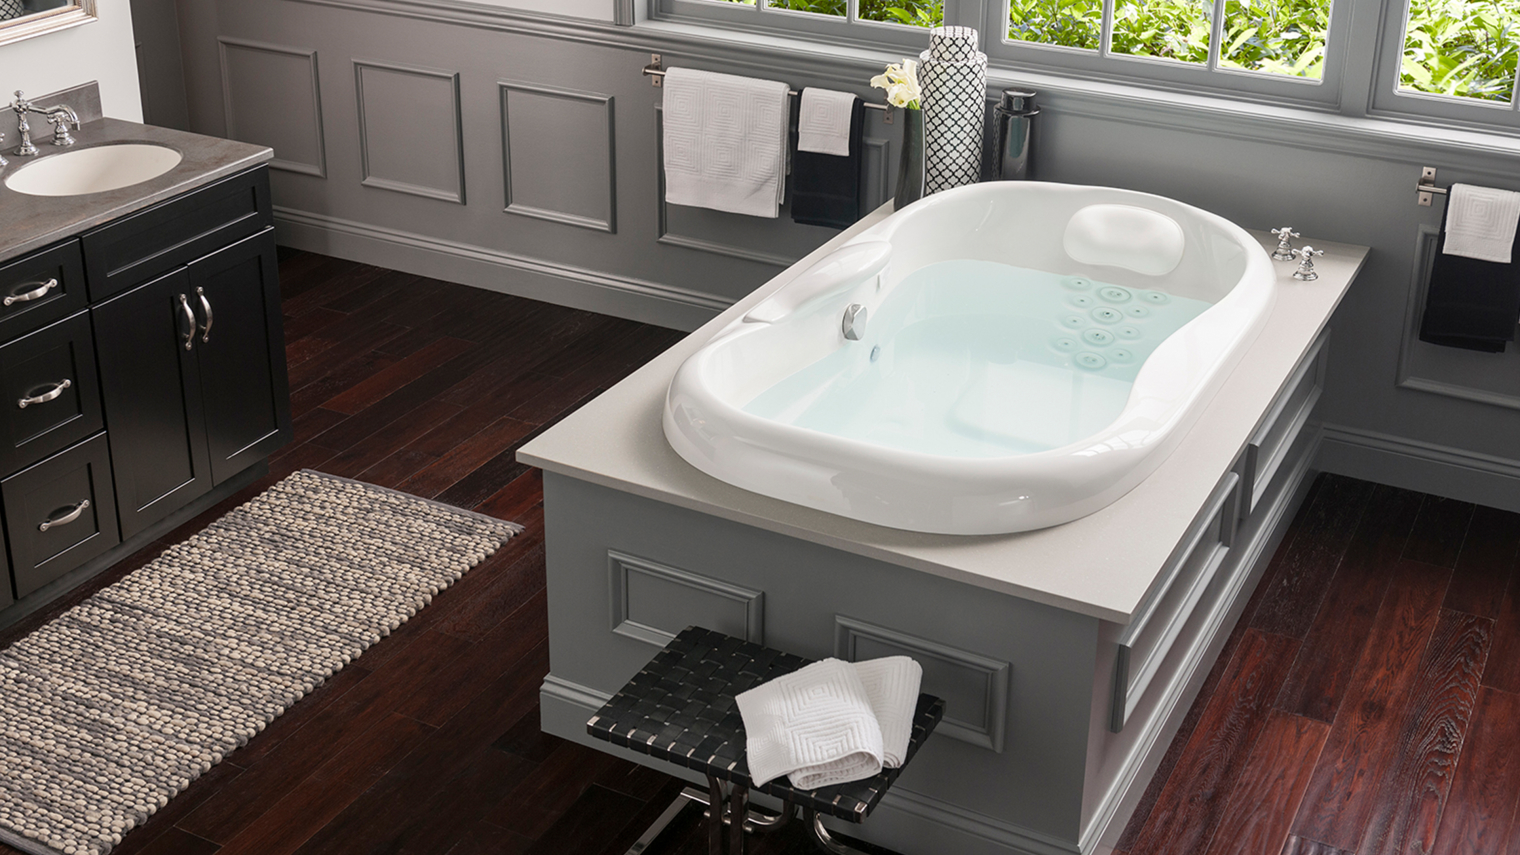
(1100, 565)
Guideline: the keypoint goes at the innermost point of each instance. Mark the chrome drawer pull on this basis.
(206, 306)
(39, 290)
(50, 395)
(66, 518)
(184, 306)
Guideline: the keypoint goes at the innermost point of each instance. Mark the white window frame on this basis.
(1389, 100)
(762, 18)
(1209, 78)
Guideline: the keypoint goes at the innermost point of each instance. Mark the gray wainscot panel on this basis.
(273, 96)
(411, 135)
(974, 687)
(651, 602)
(1488, 378)
(559, 155)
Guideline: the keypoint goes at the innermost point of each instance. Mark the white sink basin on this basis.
(93, 170)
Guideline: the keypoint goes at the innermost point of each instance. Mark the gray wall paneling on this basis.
(411, 129)
(570, 175)
(160, 65)
(271, 96)
(1392, 405)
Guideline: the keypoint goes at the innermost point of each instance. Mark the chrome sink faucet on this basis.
(60, 117)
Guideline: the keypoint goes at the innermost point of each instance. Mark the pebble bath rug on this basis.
(116, 705)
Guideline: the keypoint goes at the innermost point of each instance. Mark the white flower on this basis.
(901, 83)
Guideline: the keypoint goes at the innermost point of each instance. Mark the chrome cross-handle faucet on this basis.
(1305, 257)
(60, 116)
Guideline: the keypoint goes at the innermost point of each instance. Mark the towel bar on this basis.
(656, 70)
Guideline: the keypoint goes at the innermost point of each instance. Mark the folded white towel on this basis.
(1480, 223)
(823, 121)
(892, 686)
(725, 142)
(816, 725)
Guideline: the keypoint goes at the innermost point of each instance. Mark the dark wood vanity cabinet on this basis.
(169, 382)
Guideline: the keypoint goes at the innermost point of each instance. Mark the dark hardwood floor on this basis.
(1369, 700)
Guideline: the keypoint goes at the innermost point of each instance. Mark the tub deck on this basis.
(617, 441)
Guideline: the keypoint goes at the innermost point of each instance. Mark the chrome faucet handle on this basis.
(3, 161)
(1284, 251)
(1306, 256)
(61, 118)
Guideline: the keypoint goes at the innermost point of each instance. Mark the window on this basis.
(873, 21)
(1451, 60)
(1280, 48)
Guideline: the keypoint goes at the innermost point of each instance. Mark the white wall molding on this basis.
(535, 278)
(1426, 467)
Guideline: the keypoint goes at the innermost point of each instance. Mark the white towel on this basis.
(892, 687)
(725, 142)
(823, 121)
(1480, 223)
(815, 725)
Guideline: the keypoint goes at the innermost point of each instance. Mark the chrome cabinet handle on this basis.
(184, 306)
(206, 307)
(39, 290)
(50, 395)
(67, 518)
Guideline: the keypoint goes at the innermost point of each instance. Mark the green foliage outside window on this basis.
(1464, 48)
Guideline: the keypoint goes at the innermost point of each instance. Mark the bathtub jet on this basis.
(1033, 352)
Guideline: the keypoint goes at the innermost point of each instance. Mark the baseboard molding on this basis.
(1421, 466)
(495, 270)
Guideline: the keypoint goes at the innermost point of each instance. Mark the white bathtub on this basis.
(1028, 352)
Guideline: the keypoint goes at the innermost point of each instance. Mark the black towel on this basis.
(1472, 304)
(826, 187)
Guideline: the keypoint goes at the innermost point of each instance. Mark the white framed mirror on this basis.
(22, 19)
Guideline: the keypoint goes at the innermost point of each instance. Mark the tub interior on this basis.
(980, 359)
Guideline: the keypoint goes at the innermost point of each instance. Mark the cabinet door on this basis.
(151, 387)
(242, 354)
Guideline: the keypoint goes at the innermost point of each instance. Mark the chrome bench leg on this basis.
(826, 841)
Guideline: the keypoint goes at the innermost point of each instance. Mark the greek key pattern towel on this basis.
(953, 75)
(816, 725)
(891, 685)
(725, 141)
(1481, 223)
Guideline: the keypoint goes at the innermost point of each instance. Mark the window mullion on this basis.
(1216, 35)
(1106, 29)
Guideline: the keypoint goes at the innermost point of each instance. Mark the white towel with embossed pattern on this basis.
(725, 141)
(815, 725)
(892, 686)
(823, 121)
(1481, 223)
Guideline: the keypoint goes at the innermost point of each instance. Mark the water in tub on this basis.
(980, 359)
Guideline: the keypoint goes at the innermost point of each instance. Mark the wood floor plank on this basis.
(1259, 811)
(1296, 845)
(538, 802)
(202, 790)
(363, 455)
(467, 456)
(1300, 584)
(1439, 531)
(482, 838)
(456, 805)
(598, 815)
(308, 806)
(1485, 563)
(362, 825)
(1413, 793)
(1481, 809)
(1334, 645)
(1343, 792)
(1503, 671)
(177, 842)
(1195, 796)
(311, 357)
(382, 383)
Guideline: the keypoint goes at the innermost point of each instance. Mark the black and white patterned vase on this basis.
(11, 9)
(953, 79)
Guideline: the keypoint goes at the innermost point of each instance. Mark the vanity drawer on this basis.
(1284, 421)
(51, 392)
(40, 288)
(59, 514)
(136, 248)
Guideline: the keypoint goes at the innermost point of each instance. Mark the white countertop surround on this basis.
(1101, 565)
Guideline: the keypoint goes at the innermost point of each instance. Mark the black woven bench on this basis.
(680, 708)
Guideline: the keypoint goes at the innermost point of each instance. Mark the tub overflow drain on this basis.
(854, 324)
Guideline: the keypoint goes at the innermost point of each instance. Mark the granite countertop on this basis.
(31, 222)
(1101, 565)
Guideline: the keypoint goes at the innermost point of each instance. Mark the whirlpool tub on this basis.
(998, 358)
